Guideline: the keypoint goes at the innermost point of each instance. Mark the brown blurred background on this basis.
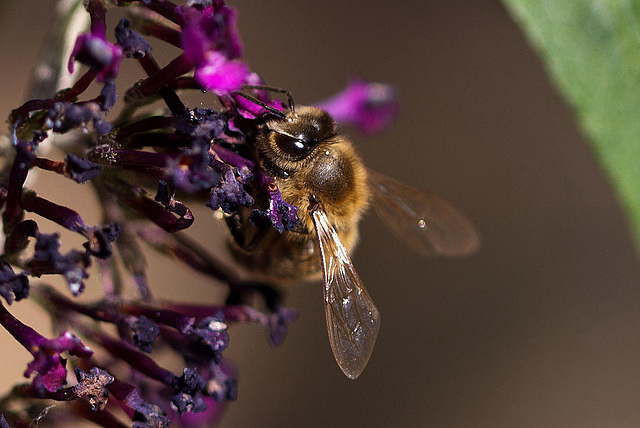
(541, 328)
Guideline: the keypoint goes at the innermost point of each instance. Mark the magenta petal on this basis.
(51, 374)
(220, 75)
(371, 107)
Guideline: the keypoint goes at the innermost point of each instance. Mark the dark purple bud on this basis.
(162, 195)
(48, 260)
(98, 53)
(371, 107)
(3, 422)
(47, 246)
(279, 324)
(64, 216)
(100, 240)
(81, 170)
(12, 286)
(92, 385)
(17, 176)
(109, 95)
(169, 318)
(133, 44)
(145, 333)
(64, 116)
(188, 397)
(229, 194)
(102, 126)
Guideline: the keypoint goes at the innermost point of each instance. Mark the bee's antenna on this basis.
(273, 110)
(275, 89)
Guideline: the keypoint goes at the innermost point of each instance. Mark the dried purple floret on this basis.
(92, 385)
(188, 397)
(229, 194)
(12, 286)
(145, 333)
(133, 44)
(81, 170)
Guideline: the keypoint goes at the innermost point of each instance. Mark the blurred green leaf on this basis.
(591, 49)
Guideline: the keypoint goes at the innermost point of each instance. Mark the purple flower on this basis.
(47, 364)
(211, 29)
(211, 42)
(369, 106)
(198, 156)
(220, 75)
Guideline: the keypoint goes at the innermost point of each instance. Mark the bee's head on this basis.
(300, 133)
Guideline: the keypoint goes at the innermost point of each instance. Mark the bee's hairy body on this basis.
(308, 160)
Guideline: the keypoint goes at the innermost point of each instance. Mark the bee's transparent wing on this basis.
(353, 320)
(427, 223)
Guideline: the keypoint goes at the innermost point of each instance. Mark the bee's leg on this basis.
(247, 236)
(273, 298)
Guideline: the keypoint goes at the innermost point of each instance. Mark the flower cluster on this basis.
(149, 164)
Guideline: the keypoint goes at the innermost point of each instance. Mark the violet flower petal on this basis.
(371, 107)
(211, 29)
(47, 363)
(220, 75)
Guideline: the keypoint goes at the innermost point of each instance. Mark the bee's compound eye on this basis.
(295, 148)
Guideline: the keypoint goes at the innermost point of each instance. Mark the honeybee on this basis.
(318, 170)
